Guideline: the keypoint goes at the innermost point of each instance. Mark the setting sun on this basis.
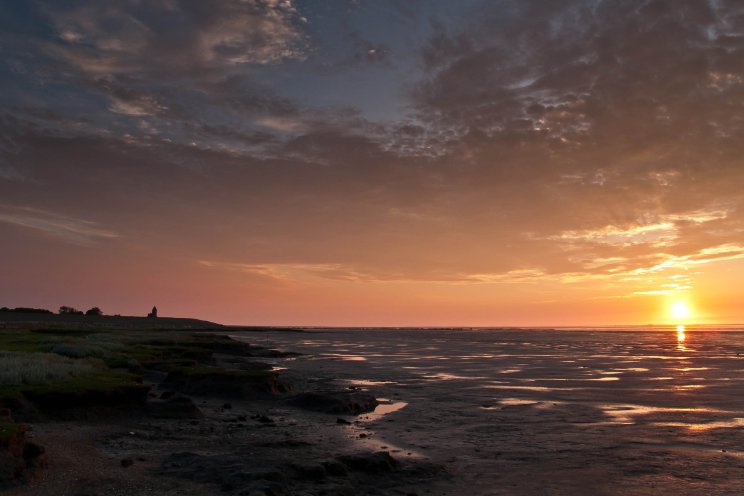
(680, 311)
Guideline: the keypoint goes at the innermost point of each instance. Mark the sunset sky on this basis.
(370, 162)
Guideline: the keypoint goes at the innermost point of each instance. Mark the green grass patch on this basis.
(100, 381)
(8, 430)
(20, 369)
(56, 331)
(52, 382)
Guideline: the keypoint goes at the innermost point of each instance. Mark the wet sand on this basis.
(547, 412)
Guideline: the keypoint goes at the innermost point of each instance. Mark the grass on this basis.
(8, 430)
(18, 369)
(54, 366)
(54, 380)
(100, 381)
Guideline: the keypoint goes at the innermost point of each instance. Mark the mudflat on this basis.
(382, 411)
(89, 410)
(532, 412)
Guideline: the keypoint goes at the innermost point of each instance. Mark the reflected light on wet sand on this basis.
(681, 338)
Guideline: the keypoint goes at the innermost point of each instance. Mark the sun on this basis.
(680, 311)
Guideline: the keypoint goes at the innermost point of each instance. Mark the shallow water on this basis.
(552, 411)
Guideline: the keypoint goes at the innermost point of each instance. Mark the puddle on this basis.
(449, 377)
(350, 358)
(627, 414)
(516, 401)
(704, 426)
(366, 382)
(385, 407)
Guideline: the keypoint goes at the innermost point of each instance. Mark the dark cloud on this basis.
(171, 39)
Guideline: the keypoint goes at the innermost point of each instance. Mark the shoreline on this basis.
(260, 439)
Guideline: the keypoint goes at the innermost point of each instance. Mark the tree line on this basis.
(63, 310)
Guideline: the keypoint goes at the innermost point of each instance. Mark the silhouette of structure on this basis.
(153, 314)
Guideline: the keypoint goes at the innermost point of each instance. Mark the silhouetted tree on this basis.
(65, 310)
(95, 312)
(24, 310)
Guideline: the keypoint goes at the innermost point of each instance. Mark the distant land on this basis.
(107, 321)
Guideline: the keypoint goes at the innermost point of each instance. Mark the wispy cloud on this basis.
(74, 230)
(661, 232)
(729, 251)
(293, 271)
(343, 272)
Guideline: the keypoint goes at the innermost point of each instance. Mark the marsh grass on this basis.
(19, 369)
(8, 430)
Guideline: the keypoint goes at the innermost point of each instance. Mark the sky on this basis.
(374, 163)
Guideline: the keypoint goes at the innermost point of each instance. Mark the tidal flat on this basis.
(86, 409)
(250, 411)
(635, 411)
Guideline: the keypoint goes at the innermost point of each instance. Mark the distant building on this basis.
(153, 314)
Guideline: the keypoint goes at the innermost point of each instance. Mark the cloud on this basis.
(304, 272)
(296, 272)
(664, 231)
(567, 142)
(77, 231)
(170, 39)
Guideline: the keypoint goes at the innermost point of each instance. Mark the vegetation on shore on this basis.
(8, 431)
(86, 364)
(79, 371)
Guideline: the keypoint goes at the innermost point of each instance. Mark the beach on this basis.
(537, 412)
(179, 411)
(454, 411)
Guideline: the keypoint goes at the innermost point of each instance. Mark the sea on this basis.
(611, 410)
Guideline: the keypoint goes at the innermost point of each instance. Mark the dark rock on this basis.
(167, 395)
(214, 381)
(241, 363)
(127, 462)
(19, 408)
(343, 402)
(342, 421)
(265, 488)
(34, 455)
(227, 406)
(230, 472)
(176, 406)
(80, 404)
(19, 458)
(286, 443)
(374, 463)
(335, 468)
(309, 472)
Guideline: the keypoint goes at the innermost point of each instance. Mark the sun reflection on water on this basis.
(681, 338)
